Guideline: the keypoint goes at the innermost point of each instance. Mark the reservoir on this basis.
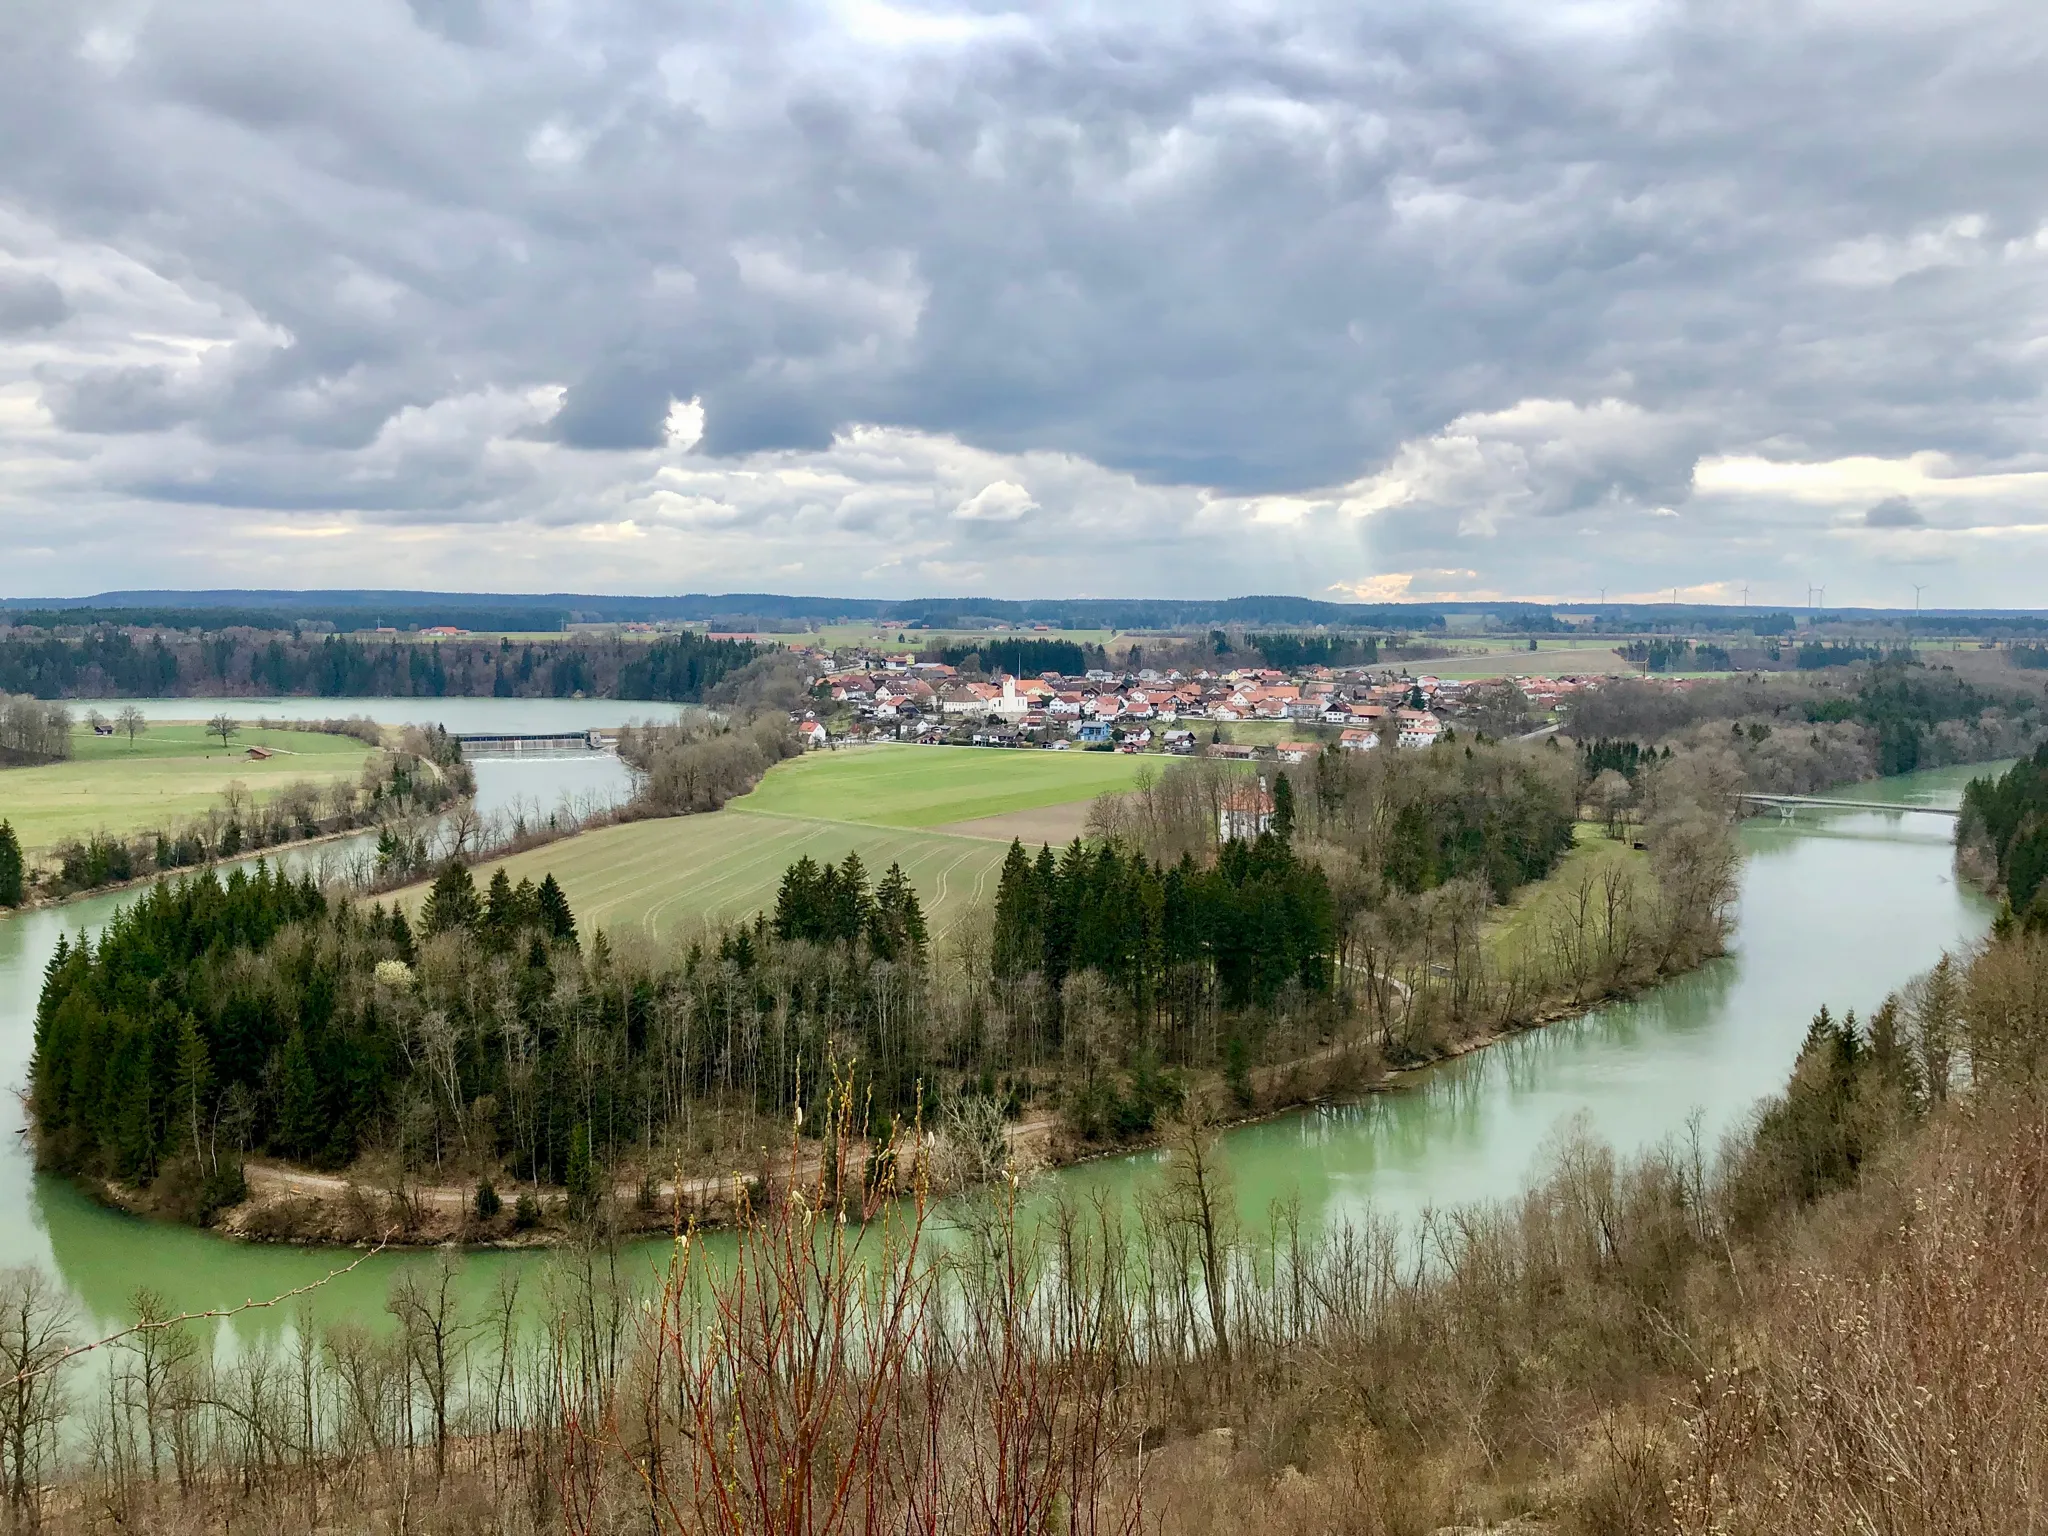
(1835, 907)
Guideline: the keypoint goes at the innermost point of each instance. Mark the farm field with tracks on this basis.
(889, 804)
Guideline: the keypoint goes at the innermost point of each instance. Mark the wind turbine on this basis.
(1918, 588)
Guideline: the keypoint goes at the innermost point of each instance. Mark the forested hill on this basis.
(109, 662)
(2005, 825)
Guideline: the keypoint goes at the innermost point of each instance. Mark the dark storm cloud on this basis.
(1893, 512)
(614, 408)
(1257, 249)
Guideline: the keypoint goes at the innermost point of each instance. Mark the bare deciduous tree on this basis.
(35, 1334)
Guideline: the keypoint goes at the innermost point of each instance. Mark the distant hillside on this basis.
(361, 608)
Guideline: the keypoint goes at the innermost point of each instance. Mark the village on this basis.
(868, 697)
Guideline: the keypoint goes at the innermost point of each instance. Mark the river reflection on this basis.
(1835, 907)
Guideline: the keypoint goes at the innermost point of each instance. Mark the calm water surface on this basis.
(1835, 907)
(533, 715)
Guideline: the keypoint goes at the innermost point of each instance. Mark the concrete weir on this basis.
(500, 744)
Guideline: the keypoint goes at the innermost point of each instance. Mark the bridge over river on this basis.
(1787, 804)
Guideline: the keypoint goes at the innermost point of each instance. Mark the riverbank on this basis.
(377, 1205)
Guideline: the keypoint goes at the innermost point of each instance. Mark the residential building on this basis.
(1246, 812)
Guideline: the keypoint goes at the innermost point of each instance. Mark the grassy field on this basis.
(172, 773)
(1265, 733)
(1526, 919)
(661, 877)
(885, 803)
(905, 786)
(1551, 660)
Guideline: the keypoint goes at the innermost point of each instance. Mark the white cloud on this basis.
(1000, 501)
(1877, 260)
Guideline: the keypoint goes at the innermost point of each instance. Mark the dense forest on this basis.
(108, 662)
(1290, 652)
(1021, 656)
(217, 1018)
(2004, 825)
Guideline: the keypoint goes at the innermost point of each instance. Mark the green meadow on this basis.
(168, 775)
(906, 786)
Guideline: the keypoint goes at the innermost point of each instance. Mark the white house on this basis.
(1246, 811)
(1419, 728)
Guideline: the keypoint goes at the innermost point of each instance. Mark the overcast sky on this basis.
(1434, 299)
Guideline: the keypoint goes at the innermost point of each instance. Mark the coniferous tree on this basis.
(852, 902)
(401, 935)
(302, 1118)
(796, 901)
(13, 870)
(194, 1091)
(583, 1181)
(897, 930)
(555, 916)
(501, 910)
(1283, 808)
(452, 903)
(1019, 943)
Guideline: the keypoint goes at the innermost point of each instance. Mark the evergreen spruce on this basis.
(897, 929)
(1019, 944)
(193, 1092)
(501, 909)
(452, 903)
(796, 901)
(1283, 808)
(555, 916)
(302, 1119)
(13, 869)
(583, 1181)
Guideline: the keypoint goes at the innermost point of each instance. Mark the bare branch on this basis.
(159, 1324)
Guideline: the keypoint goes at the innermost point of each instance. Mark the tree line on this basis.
(1022, 656)
(1255, 918)
(1291, 651)
(113, 662)
(1797, 733)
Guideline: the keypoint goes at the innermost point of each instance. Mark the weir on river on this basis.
(1839, 910)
